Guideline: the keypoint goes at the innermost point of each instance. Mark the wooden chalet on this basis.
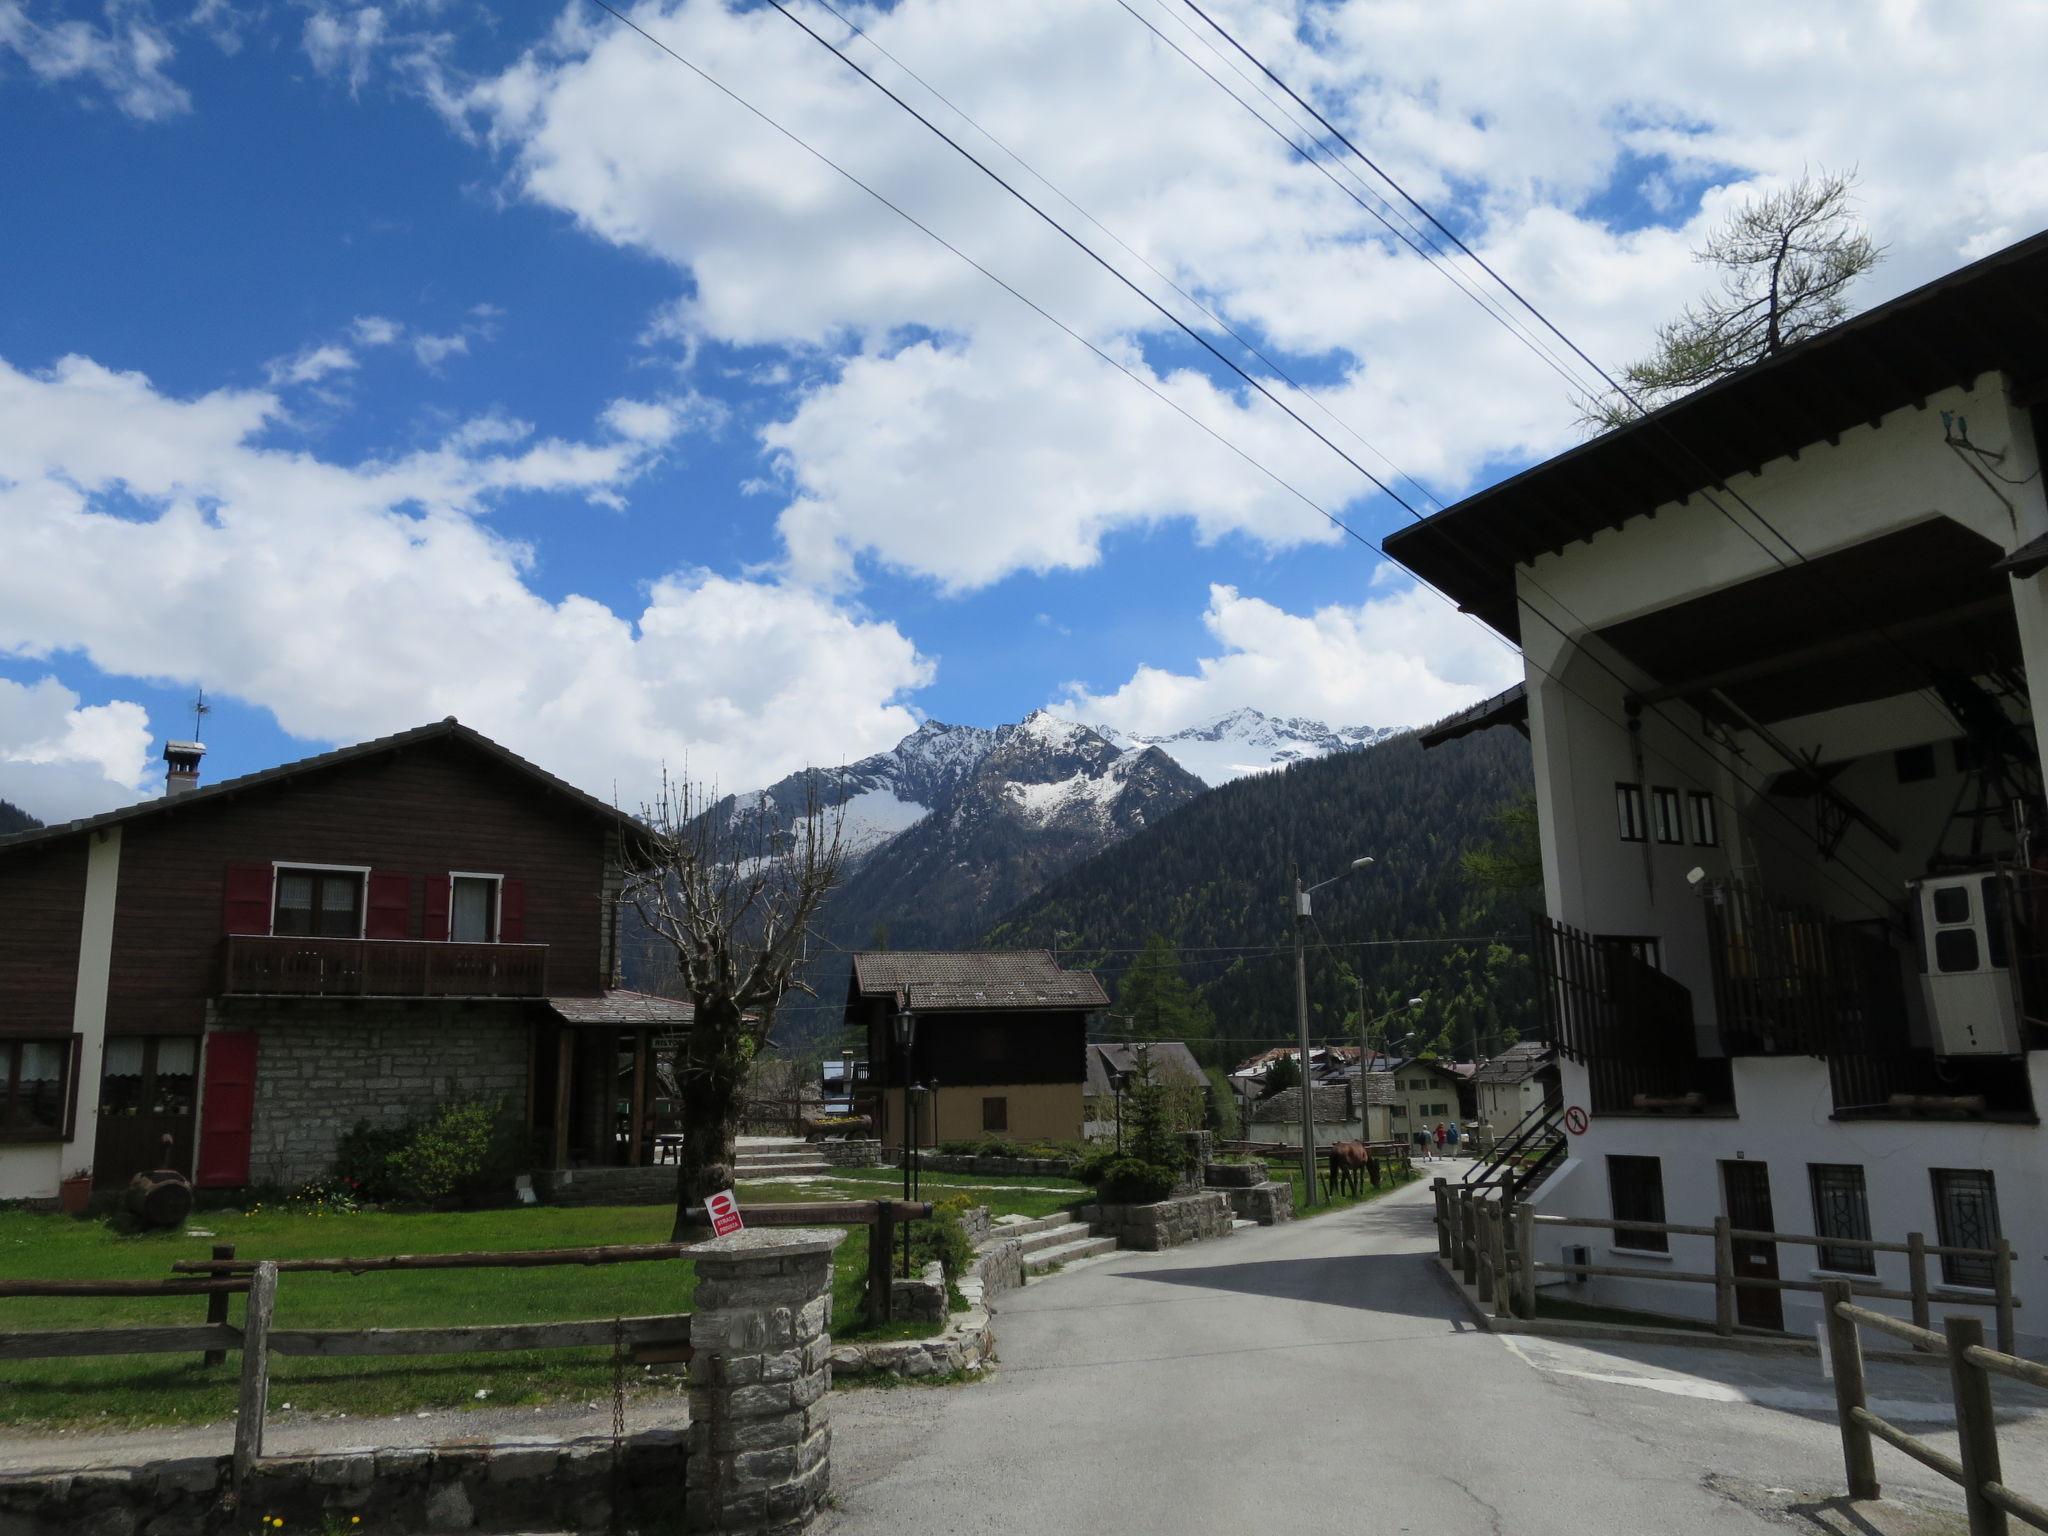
(244, 971)
(1000, 1043)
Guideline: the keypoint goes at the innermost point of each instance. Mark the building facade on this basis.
(225, 980)
(1779, 642)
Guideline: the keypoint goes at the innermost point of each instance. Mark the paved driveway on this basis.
(1322, 1376)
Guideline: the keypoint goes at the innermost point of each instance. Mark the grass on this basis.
(120, 1391)
(1343, 1202)
(1580, 1312)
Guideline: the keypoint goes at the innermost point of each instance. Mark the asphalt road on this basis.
(1323, 1376)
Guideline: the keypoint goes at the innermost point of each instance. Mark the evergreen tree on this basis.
(1155, 1002)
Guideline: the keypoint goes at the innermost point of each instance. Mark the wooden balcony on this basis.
(1788, 982)
(1629, 1023)
(301, 967)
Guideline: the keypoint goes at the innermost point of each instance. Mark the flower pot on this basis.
(75, 1194)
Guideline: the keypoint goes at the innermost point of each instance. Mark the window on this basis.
(1646, 947)
(324, 903)
(149, 1075)
(1706, 819)
(36, 1079)
(1841, 1209)
(1913, 764)
(1966, 1216)
(1635, 1187)
(1628, 807)
(1664, 810)
(1952, 904)
(995, 1114)
(1955, 949)
(473, 908)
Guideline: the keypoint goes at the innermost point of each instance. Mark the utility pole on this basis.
(1308, 1098)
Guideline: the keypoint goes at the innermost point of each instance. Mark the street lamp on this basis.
(1302, 893)
(913, 1165)
(904, 1027)
(1117, 1082)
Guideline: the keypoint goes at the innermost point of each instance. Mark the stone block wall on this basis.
(654, 1184)
(1268, 1204)
(319, 1070)
(849, 1152)
(1234, 1175)
(567, 1487)
(919, 1300)
(963, 1162)
(1164, 1224)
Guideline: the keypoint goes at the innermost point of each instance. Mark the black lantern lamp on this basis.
(1118, 1081)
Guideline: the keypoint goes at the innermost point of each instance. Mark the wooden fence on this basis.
(1971, 1368)
(1474, 1236)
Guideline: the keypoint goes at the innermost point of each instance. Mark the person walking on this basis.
(1452, 1136)
(1439, 1138)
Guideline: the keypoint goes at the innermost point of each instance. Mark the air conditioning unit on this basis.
(1966, 974)
(1578, 1253)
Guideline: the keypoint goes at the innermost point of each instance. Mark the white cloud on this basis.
(344, 42)
(60, 759)
(374, 331)
(126, 58)
(354, 600)
(999, 446)
(1401, 658)
(432, 351)
(311, 365)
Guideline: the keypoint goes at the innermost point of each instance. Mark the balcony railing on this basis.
(306, 967)
(1792, 983)
(1629, 1023)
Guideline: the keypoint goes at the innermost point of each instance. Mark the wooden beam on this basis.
(565, 1066)
(672, 1330)
(67, 1343)
(254, 1401)
(637, 1134)
(124, 1287)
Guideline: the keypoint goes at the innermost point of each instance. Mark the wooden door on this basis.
(1746, 1187)
(229, 1108)
(147, 1087)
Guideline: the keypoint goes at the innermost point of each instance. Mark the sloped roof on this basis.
(1519, 1062)
(625, 1010)
(1983, 317)
(1332, 1106)
(1172, 1064)
(951, 980)
(449, 729)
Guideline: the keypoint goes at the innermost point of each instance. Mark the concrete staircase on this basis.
(1052, 1240)
(763, 1159)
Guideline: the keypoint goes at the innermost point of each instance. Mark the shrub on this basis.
(462, 1149)
(944, 1238)
(362, 1159)
(1121, 1179)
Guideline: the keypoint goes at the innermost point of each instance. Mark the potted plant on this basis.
(74, 1191)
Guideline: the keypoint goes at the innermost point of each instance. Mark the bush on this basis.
(362, 1159)
(998, 1146)
(1121, 1179)
(466, 1149)
(944, 1238)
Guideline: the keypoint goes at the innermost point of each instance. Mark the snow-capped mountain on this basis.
(1247, 741)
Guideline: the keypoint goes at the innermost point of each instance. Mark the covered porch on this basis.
(598, 1092)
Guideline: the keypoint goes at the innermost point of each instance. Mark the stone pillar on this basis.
(759, 1438)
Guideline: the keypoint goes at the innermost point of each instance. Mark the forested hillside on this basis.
(14, 819)
(1213, 879)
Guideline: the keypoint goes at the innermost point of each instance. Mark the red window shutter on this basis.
(437, 909)
(246, 904)
(388, 914)
(228, 1111)
(512, 912)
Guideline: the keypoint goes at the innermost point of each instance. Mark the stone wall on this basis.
(1268, 1204)
(1164, 1224)
(1234, 1175)
(320, 1069)
(569, 1487)
(654, 1184)
(920, 1300)
(849, 1152)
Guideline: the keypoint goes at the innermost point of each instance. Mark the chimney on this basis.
(181, 762)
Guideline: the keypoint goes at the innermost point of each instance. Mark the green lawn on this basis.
(1341, 1202)
(113, 1391)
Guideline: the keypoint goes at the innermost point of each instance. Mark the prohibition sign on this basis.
(1575, 1120)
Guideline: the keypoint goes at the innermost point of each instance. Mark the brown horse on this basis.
(1348, 1159)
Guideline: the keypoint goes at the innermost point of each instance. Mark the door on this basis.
(1747, 1189)
(230, 1110)
(148, 1084)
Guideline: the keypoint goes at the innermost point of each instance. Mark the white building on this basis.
(1779, 638)
(1512, 1086)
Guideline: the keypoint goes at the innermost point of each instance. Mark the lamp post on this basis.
(1364, 1046)
(1302, 893)
(904, 1027)
(1117, 1080)
(913, 1164)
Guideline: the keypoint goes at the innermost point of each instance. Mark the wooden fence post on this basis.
(1916, 1269)
(1482, 1236)
(881, 1245)
(249, 1411)
(1976, 1429)
(1724, 1278)
(217, 1306)
(1525, 1250)
(1441, 1189)
(2002, 1282)
(1468, 1248)
(1845, 1346)
(1503, 1276)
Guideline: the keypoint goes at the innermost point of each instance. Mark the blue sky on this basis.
(366, 364)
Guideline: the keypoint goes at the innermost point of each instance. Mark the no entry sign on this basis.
(1575, 1120)
(724, 1211)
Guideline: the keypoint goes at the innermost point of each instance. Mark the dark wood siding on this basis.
(996, 1046)
(42, 905)
(422, 811)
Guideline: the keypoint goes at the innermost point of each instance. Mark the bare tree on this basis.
(1786, 261)
(734, 896)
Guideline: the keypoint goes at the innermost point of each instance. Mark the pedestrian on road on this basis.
(1439, 1138)
(1453, 1137)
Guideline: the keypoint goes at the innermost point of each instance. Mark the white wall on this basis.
(1785, 1123)
(32, 1171)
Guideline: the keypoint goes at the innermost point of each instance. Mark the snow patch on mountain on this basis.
(1250, 741)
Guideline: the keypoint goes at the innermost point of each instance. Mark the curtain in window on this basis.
(470, 916)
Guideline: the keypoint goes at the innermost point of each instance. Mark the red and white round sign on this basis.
(724, 1212)
(1575, 1120)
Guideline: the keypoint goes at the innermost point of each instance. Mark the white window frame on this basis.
(497, 905)
(279, 866)
(1704, 817)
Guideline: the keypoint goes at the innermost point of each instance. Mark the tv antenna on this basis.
(200, 710)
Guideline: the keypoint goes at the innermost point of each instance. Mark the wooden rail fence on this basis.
(1494, 1251)
(1971, 1366)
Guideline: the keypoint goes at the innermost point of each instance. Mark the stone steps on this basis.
(755, 1173)
(1067, 1253)
(1054, 1237)
(776, 1159)
(1003, 1231)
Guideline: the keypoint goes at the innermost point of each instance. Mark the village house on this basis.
(998, 1042)
(1428, 1093)
(1113, 1064)
(1781, 638)
(1517, 1083)
(226, 979)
